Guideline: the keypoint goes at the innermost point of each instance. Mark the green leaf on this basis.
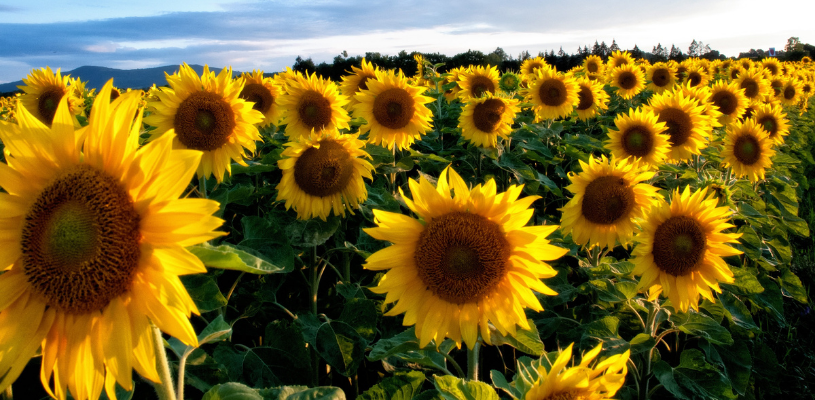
(302, 393)
(791, 286)
(500, 382)
(340, 346)
(701, 325)
(361, 315)
(232, 391)
(401, 386)
(312, 232)
(525, 340)
(268, 238)
(227, 256)
(204, 292)
(431, 394)
(453, 388)
(641, 343)
(405, 346)
(771, 298)
(252, 168)
(288, 338)
(217, 330)
(735, 360)
(745, 282)
(694, 378)
(309, 324)
(737, 311)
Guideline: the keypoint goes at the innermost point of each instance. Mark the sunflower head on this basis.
(661, 77)
(628, 79)
(790, 92)
(454, 75)
(806, 60)
(639, 134)
(701, 94)
(357, 81)
(680, 248)
(588, 380)
(728, 99)
(43, 91)
(552, 94)
(509, 82)
(591, 98)
(467, 263)
(755, 85)
(687, 128)
(312, 104)
(696, 76)
(772, 65)
(747, 149)
(620, 58)
(593, 65)
(485, 119)
(530, 67)
(478, 81)
(263, 92)
(773, 120)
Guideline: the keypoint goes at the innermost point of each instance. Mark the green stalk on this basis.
(315, 286)
(472, 362)
(164, 389)
(202, 186)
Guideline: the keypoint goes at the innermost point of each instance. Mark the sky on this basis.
(269, 35)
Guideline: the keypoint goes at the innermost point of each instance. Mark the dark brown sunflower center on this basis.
(734, 73)
(324, 171)
(114, 94)
(481, 85)
(806, 88)
(776, 85)
(679, 245)
(461, 256)
(607, 199)
(769, 124)
(552, 92)
(258, 94)
(586, 98)
(487, 115)
(627, 80)
(363, 82)
(772, 68)
(661, 77)
(80, 241)
(48, 102)
(789, 93)
(394, 108)
(750, 87)
(694, 78)
(568, 395)
(533, 67)
(638, 141)
(726, 101)
(314, 110)
(204, 121)
(747, 150)
(679, 125)
(592, 67)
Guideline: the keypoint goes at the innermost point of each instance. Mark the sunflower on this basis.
(746, 63)
(773, 120)
(591, 98)
(748, 149)
(484, 119)
(609, 196)
(206, 114)
(585, 381)
(467, 263)
(688, 129)
(806, 60)
(680, 248)
(754, 84)
(734, 71)
(552, 94)
(772, 65)
(311, 104)
(43, 91)
(322, 173)
(790, 92)
(593, 65)
(531, 66)
(728, 99)
(263, 92)
(619, 58)
(509, 82)
(395, 110)
(628, 79)
(477, 81)
(660, 77)
(639, 134)
(681, 71)
(696, 76)
(92, 245)
(701, 94)
(357, 81)
(454, 76)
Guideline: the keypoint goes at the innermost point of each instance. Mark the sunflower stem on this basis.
(315, 285)
(202, 186)
(472, 361)
(346, 260)
(164, 389)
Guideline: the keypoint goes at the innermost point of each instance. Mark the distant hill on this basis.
(122, 78)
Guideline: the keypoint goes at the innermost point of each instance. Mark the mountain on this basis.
(122, 78)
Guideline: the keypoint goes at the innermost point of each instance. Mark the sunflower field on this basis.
(620, 230)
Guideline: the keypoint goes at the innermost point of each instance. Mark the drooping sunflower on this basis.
(639, 134)
(483, 120)
(263, 92)
(44, 89)
(628, 79)
(609, 197)
(593, 65)
(477, 81)
(357, 81)
(93, 238)
(791, 92)
(688, 129)
(322, 173)
(772, 65)
(680, 248)
(696, 76)
(591, 98)
(585, 381)
(754, 84)
(773, 120)
(467, 262)
(206, 114)
(552, 94)
(661, 77)
(748, 149)
(311, 103)
(531, 66)
(395, 110)
(729, 100)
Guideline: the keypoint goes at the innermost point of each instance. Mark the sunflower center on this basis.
(363, 82)
(586, 98)
(789, 93)
(592, 67)
(807, 88)
(638, 141)
(258, 94)
(661, 77)
(114, 94)
(607, 199)
(49, 101)
(552, 92)
(314, 110)
(768, 122)
(627, 80)
(679, 125)
(734, 73)
(80, 241)
(461, 256)
(204, 121)
(487, 115)
(481, 85)
(679, 245)
(773, 69)
(747, 149)
(568, 395)
(324, 171)
(726, 102)
(750, 87)
(394, 108)
(533, 67)
(695, 78)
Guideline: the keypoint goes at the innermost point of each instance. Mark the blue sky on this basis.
(269, 35)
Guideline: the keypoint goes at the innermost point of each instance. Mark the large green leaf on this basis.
(204, 292)
(525, 340)
(302, 393)
(232, 391)
(227, 256)
(405, 346)
(401, 386)
(312, 232)
(701, 325)
(340, 346)
(453, 388)
(361, 314)
(268, 238)
(693, 378)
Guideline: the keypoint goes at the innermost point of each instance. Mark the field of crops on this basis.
(620, 230)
